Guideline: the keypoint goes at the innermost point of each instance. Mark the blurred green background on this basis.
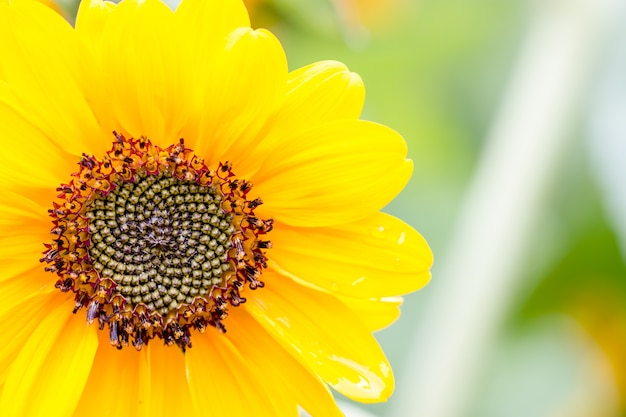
(469, 85)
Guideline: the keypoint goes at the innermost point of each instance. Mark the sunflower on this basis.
(187, 227)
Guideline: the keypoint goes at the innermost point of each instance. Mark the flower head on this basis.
(187, 227)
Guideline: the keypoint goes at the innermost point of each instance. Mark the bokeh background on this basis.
(515, 116)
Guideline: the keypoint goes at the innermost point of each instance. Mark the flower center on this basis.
(154, 243)
(163, 241)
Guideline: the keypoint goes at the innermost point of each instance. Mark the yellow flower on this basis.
(172, 191)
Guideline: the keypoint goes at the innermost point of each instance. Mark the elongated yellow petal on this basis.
(336, 173)
(120, 372)
(27, 247)
(21, 283)
(164, 380)
(317, 94)
(378, 256)
(19, 211)
(23, 229)
(225, 16)
(237, 105)
(23, 250)
(91, 19)
(325, 335)
(322, 92)
(14, 268)
(143, 72)
(272, 364)
(20, 314)
(32, 163)
(374, 313)
(221, 383)
(52, 367)
(201, 41)
(46, 70)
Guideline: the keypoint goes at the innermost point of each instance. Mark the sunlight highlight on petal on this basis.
(342, 351)
(378, 256)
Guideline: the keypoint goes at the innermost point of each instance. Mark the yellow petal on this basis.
(374, 313)
(246, 83)
(202, 40)
(202, 49)
(19, 213)
(325, 335)
(224, 15)
(143, 74)
(45, 71)
(21, 253)
(277, 368)
(221, 383)
(26, 247)
(378, 256)
(48, 375)
(24, 227)
(325, 90)
(165, 383)
(90, 20)
(318, 93)
(23, 284)
(20, 314)
(113, 387)
(29, 158)
(336, 173)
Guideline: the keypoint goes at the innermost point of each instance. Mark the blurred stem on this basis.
(497, 225)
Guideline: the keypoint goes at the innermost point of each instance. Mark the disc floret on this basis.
(153, 243)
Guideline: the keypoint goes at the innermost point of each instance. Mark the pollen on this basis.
(155, 244)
